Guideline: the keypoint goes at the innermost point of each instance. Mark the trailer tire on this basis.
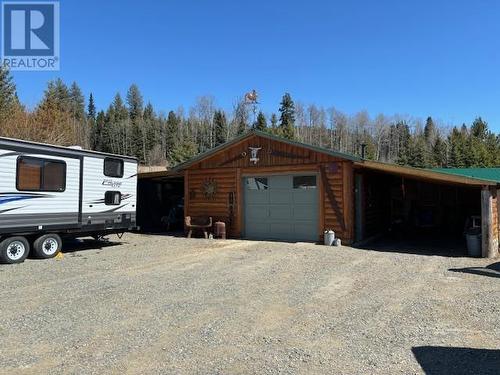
(47, 246)
(14, 250)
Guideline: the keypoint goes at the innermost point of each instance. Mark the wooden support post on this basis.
(487, 231)
(348, 197)
(321, 192)
(238, 201)
(186, 198)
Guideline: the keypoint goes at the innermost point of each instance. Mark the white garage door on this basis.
(281, 207)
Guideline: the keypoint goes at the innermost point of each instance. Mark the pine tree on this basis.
(429, 131)
(274, 121)
(135, 106)
(457, 140)
(417, 157)
(91, 110)
(439, 158)
(135, 103)
(91, 121)
(182, 151)
(77, 102)
(403, 140)
(221, 128)
(53, 116)
(287, 118)
(479, 129)
(171, 135)
(101, 142)
(261, 123)
(8, 96)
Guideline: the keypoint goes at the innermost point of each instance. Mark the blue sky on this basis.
(420, 58)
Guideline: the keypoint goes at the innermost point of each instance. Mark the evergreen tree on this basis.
(403, 140)
(8, 97)
(479, 129)
(150, 133)
(287, 118)
(182, 151)
(135, 103)
(77, 102)
(261, 123)
(221, 128)
(149, 112)
(240, 118)
(457, 141)
(91, 110)
(171, 137)
(439, 157)
(101, 140)
(429, 131)
(418, 151)
(274, 122)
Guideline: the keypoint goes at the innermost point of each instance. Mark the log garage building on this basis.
(266, 187)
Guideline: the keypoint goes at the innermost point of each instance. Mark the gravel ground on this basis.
(167, 305)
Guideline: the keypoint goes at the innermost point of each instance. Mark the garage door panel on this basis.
(280, 230)
(304, 212)
(305, 231)
(280, 182)
(258, 230)
(280, 196)
(281, 211)
(258, 196)
(304, 196)
(257, 212)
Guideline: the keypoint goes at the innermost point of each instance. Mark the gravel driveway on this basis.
(166, 305)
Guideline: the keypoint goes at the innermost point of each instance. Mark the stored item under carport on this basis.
(473, 238)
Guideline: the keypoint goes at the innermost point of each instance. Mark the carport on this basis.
(423, 208)
(160, 205)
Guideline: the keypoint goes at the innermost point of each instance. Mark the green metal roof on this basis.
(488, 174)
(250, 133)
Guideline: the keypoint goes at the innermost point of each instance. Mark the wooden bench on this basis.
(198, 223)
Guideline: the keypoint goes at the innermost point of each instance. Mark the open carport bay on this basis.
(158, 305)
(413, 215)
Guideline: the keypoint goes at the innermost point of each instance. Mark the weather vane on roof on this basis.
(251, 98)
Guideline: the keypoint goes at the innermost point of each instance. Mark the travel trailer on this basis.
(48, 192)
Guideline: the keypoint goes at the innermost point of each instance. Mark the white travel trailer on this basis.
(48, 192)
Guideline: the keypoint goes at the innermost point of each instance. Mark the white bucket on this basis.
(329, 237)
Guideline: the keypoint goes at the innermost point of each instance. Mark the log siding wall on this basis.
(229, 166)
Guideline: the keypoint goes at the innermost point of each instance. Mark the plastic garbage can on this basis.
(473, 238)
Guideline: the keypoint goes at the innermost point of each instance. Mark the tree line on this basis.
(130, 126)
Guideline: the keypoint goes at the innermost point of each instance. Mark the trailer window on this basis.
(113, 167)
(112, 198)
(35, 174)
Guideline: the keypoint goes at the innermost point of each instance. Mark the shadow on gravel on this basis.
(458, 361)
(493, 270)
(163, 234)
(422, 244)
(72, 246)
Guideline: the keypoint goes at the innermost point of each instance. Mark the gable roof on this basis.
(266, 135)
(462, 176)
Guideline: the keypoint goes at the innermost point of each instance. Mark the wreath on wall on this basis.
(210, 188)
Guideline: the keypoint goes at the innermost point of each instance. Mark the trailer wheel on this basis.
(47, 246)
(14, 250)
